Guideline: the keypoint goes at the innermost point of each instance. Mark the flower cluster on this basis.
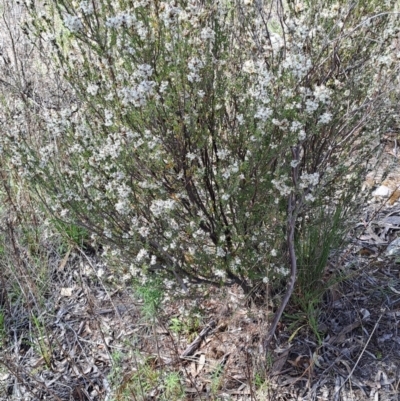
(190, 126)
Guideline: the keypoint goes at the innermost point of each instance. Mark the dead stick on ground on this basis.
(196, 343)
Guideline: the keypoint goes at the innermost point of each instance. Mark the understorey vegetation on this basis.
(195, 143)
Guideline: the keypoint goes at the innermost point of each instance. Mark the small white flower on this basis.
(226, 174)
(141, 255)
(302, 135)
(191, 156)
(265, 280)
(73, 23)
(263, 113)
(248, 67)
(207, 33)
(310, 198)
(86, 7)
(325, 118)
(295, 126)
(144, 231)
(240, 119)
(322, 94)
(220, 273)
(311, 106)
(274, 252)
(163, 86)
(220, 252)
(223, 153)
(92, 89)
(108, 116)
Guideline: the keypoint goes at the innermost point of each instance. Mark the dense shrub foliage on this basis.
(194, 134)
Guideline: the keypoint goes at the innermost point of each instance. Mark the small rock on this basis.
(382, 191)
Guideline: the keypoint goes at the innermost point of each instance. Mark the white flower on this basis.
(220, 273)
(302, 135)
(207, 33)
(226, 174)
(309, 180)
(274, 252)
(92, 89)
(195, 64)
(144, 231)
(193, 77)
(122, 206)
(240, 119)
(325, 118)
(310, 198)
(265, 280)
(223, 154)
(73, 23)
(248, 67)
(163, 86)
(121, 20)
(295, 126)
(144, 70)
(191, 156)
(108, 116)
(276, 41)
(220, 252)
(86, 7)
(282, 270)
(311, 106)
(322, 93)
(281, 186)
(263, 113)
(160, 207)
(153, 260)
(141, 255)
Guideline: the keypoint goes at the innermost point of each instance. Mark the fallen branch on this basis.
(196, 343)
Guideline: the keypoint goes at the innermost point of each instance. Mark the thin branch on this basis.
(293, 271)
(294, 204)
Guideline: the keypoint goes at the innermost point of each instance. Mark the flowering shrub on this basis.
(200, 131)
